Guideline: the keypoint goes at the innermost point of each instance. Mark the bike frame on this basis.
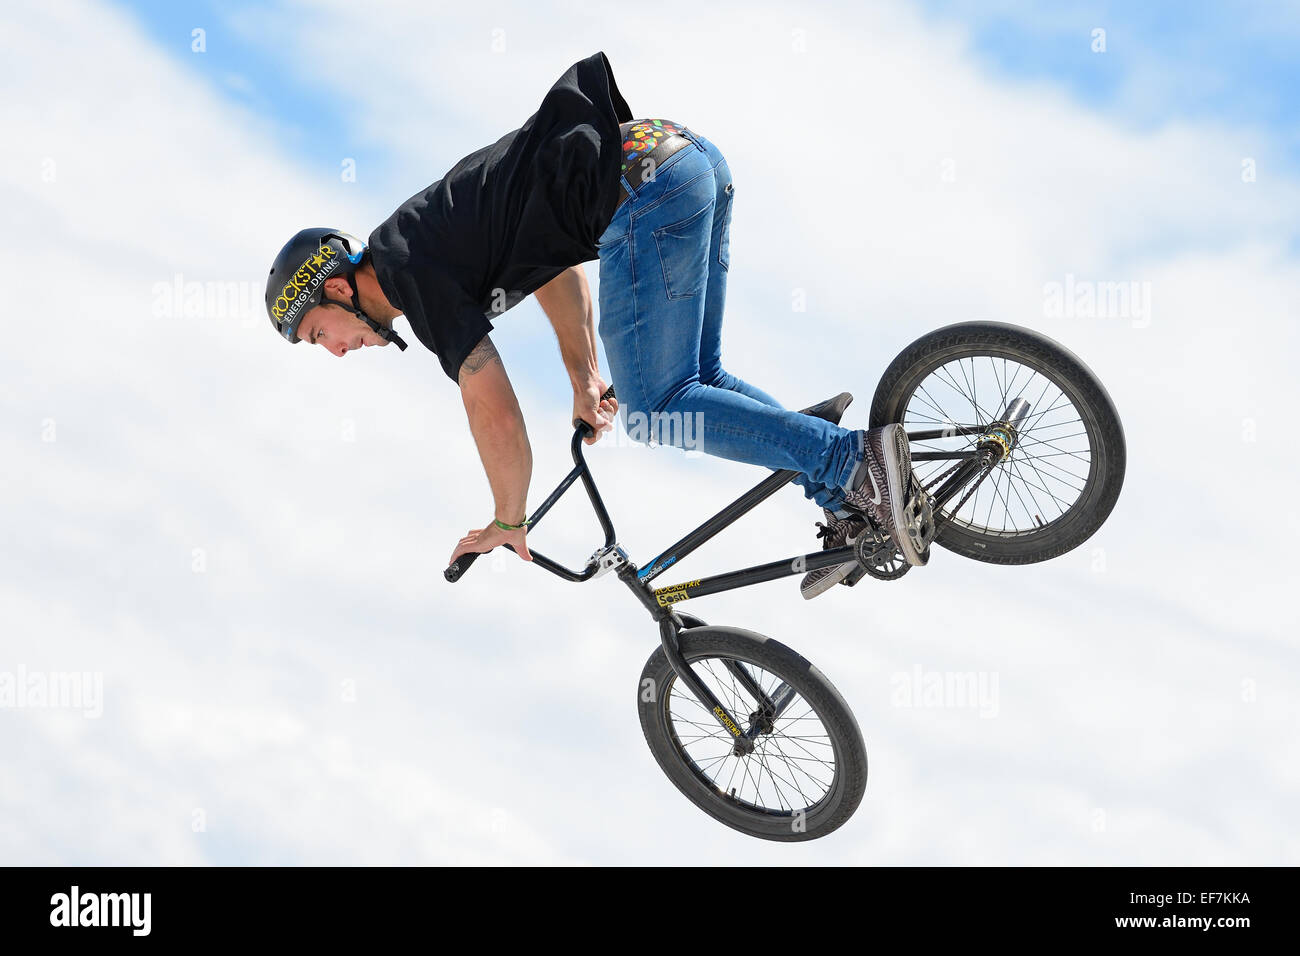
(660, 602)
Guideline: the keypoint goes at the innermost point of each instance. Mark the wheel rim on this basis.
(1052, 465)
(793, 766)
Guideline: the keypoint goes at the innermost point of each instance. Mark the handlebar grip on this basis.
(585, 426)
(460, 566)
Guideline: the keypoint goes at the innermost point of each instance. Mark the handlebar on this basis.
(456, 570)
(585, 428)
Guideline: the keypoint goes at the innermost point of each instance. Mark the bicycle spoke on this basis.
(1049, 465)
(792, 766)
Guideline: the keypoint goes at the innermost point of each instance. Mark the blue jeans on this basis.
(663, 283)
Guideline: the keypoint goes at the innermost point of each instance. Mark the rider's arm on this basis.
(498, 427)
(566, 300)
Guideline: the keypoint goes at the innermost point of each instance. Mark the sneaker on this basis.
(836, 532)
(885, 491)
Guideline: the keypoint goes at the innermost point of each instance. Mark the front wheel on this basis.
(807, 770)
(954, 391)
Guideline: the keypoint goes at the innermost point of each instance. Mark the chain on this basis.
(952, 513)
(966, 497)
(935, 481)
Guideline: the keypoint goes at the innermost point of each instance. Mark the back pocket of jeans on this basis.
(684, 253)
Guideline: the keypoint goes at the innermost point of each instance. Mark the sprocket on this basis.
(877, 557)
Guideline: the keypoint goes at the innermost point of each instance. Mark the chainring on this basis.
(877, 557)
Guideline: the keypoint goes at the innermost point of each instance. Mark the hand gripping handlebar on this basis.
(583, 430)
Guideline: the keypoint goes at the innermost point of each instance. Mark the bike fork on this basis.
(770, 707)
(673, 651)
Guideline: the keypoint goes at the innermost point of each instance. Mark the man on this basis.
(579, 181)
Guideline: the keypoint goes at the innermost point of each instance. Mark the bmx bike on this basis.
(1018, 456)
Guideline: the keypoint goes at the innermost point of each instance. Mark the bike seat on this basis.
(832, 410)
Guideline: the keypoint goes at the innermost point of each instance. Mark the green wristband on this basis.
(510, 527)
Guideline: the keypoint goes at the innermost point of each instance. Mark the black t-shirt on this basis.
(508, 218)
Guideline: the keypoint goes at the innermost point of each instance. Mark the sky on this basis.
(240, 544)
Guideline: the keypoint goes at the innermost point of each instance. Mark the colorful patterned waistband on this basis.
(643, 136)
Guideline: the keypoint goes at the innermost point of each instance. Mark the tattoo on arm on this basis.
(479, 358)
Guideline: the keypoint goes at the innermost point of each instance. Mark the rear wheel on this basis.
(808, 768)
(1063, 475)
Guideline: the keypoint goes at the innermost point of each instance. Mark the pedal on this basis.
(856, 575)
(920, 519)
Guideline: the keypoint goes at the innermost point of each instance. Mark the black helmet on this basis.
(296, 283)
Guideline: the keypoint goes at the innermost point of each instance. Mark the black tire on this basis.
(932, 356)
(665, 704)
